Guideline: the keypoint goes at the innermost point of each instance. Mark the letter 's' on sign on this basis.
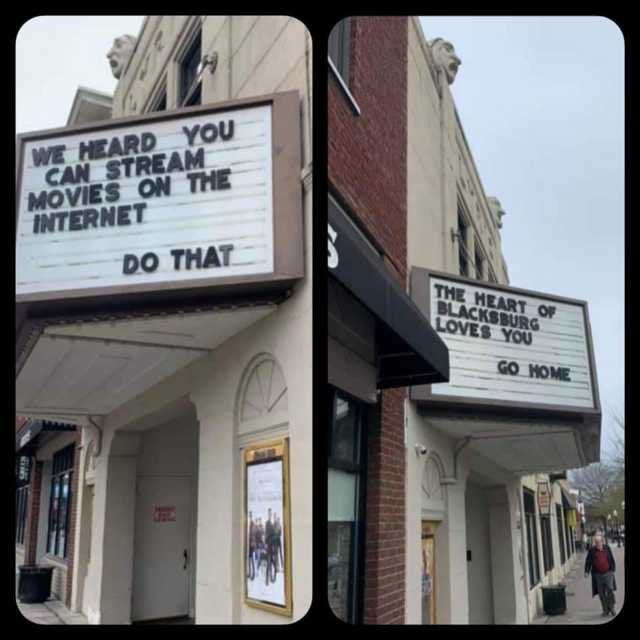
(106, 209)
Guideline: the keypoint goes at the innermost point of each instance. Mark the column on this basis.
(33, 512)
(218, 586)
(454, 552)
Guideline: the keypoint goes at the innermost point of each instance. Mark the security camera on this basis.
(421, 450)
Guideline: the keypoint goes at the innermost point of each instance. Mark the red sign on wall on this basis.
(164, 514)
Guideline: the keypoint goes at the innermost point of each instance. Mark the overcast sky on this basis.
(57, 54)
(541, 101)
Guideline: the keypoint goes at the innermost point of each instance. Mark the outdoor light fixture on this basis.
(209, 60)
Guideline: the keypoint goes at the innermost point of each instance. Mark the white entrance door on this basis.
(162, 548)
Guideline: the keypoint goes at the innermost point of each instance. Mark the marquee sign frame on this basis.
(288, 261)
(420, 292)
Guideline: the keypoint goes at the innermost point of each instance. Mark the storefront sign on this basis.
(25, 438)
(164, 513)
(544, 498)
(172, 200)
(509, 346)
(24, 470)
(267, 540)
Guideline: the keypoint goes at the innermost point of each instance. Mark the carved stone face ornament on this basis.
(120, 53)
(497, 210)
(445, 57)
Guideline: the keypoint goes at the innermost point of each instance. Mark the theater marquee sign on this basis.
(187, 198)
(509, 346)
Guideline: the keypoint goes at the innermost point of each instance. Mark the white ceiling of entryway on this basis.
(93, 368)
(517, 446)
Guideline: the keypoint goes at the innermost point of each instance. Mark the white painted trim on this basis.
(345, 89)
(55, 562)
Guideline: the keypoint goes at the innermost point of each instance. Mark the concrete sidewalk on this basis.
(50, 612)
(582, 608)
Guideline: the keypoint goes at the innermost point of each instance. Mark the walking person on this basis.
(278, 543)
(259, 544)
(253, 531)
(602, 566)
(269, 542)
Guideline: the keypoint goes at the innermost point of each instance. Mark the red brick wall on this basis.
(368, 174)
(33, 513)
(384, 593)
(367, 152)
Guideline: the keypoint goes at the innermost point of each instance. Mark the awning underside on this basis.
(519, 447)
(399, 364)
(92, 368)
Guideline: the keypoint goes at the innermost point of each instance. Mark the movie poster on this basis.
(267, 528)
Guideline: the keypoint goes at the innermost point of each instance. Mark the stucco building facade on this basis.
(209, 377)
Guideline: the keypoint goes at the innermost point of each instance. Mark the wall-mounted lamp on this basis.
(209, 60)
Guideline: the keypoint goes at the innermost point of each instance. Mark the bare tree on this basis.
(617, 441)
(601, 484)
(595, 482)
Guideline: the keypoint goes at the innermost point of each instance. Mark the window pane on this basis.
(195, 98)
(561, 537)
(62, 515)
(340, 545)
(189, 69)
(53, 514)
(342, 495)
(532, 549)
(339, 48)
(344, 430)
(342, 516)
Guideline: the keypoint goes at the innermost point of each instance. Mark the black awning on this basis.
(409, 351)
(27, 435)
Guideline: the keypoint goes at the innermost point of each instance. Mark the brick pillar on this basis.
(73, 507)
(384, 589)
(33, 513)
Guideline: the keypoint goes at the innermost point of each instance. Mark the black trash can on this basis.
(34, 583)
(554, 600)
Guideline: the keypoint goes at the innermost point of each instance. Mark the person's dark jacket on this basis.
(588, 564)
(268, 534)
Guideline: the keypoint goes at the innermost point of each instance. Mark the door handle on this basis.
(186, 558)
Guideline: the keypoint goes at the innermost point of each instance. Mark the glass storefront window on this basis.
(344, 431)
(532, 538)
(60, 501)
(344, 505)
